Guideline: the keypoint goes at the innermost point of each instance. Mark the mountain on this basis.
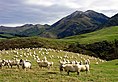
(25, 30)
(113, 21)
(77, 23)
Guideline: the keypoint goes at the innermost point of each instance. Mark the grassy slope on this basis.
(104, 72)
(6, 36)
(109, 34)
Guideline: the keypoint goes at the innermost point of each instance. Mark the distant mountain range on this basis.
(23, 31)
(74, 24)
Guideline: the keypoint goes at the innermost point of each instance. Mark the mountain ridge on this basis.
(113, 21)
(24, 30)
(77, 23)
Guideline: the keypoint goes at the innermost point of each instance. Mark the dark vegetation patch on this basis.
(104, 50)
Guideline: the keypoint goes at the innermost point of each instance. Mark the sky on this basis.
(20, 12)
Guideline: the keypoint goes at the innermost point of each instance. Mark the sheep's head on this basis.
(52, 63)
(63, 66)
(3, 62)
(21, 62)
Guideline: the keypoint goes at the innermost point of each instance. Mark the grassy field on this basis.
(108, 34)
(103, 72)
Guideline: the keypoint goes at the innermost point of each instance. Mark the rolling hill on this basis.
(108, 34)
(102, 43)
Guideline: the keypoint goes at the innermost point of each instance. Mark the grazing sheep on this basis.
(96, 63)
(45, 64)
(25, 64)
(74, 68)
(81, 62)
(87, 61)
(1, 63)
(83, 68)
(14, 63)
(70, 68)
(63, 62)
(5, 63)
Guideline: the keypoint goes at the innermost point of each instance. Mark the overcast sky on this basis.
(19, 12)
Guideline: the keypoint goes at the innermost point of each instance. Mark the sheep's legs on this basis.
(68, 72)
(0, 67)
(77, 73)
(11, 66)
(8, 66)
(30, 67)
(49, 68)
(18, 66)
(25, 69)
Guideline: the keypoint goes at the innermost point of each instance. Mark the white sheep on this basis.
(25, 64)
(1, 63)
(74, 68)
(87, 61)
(5, 63)
(70, 68)
(14, 63)
(45, 64)
(97, 63)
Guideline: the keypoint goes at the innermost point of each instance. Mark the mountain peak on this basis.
(77, 12)
(90, 11)
(81, 12)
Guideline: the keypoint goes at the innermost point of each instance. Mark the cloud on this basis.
(47, 3)
(39, 2)
(49, 11)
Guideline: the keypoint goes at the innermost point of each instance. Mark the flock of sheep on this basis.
(65, 61)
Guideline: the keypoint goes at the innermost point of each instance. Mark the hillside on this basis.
(108, 34)
(105, 71)
(76, 23)
(102, 43)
